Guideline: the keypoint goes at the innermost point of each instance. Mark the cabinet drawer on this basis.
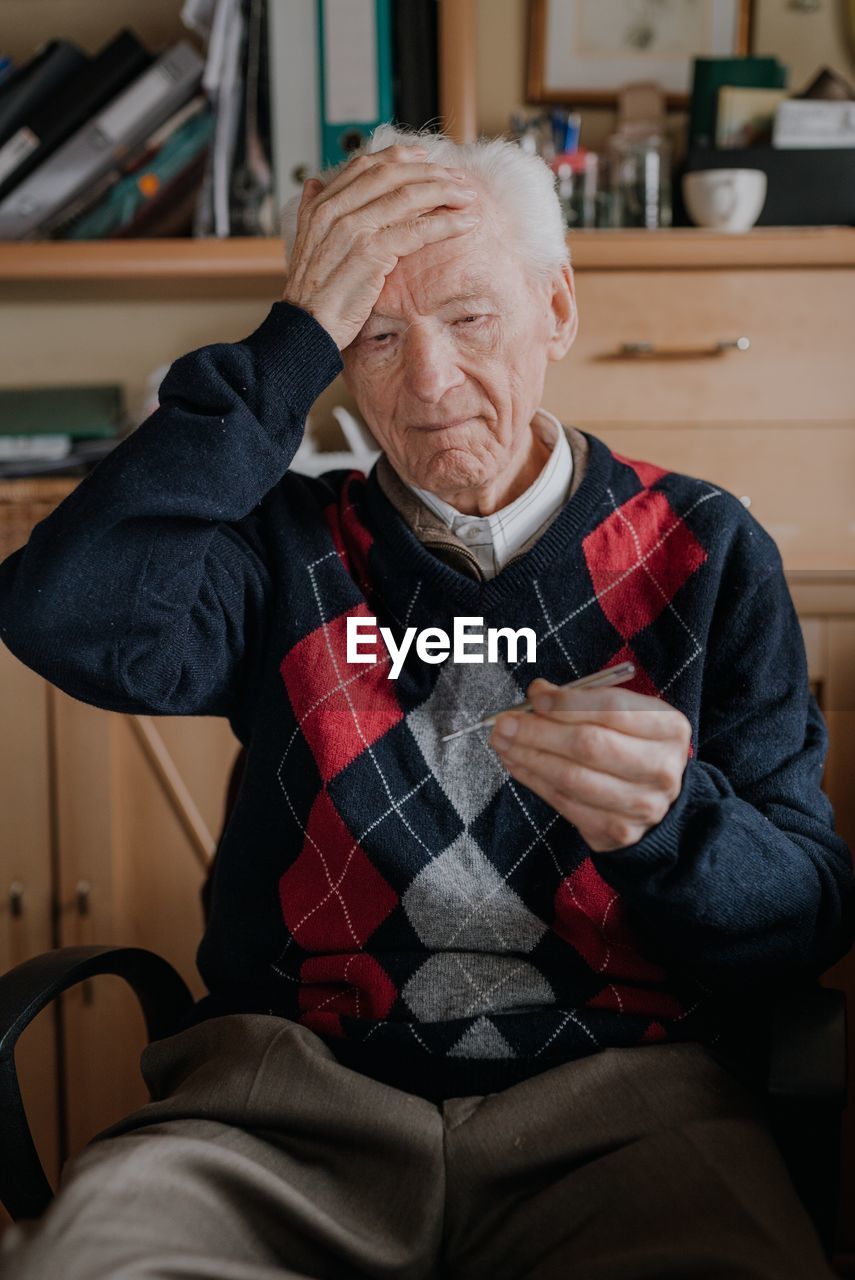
(799, 477)
(799, 364)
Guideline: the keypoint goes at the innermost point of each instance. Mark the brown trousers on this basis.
(261, 1156)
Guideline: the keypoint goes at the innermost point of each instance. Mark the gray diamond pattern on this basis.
(469, 773)
(465, 984)
(459, 901)
(460, 905)
(482, 1040)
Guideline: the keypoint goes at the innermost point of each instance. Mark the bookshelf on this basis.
(255, 265)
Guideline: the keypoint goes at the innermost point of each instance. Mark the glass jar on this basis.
(639, 166)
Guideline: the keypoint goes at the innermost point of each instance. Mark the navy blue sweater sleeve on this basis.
(147, 589)
(745, 881)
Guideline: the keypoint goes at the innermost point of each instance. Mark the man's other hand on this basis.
(610, 761)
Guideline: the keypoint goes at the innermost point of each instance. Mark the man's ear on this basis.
(564, 316)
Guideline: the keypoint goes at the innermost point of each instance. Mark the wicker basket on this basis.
(24, 502)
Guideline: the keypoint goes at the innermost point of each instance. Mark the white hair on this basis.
(521, 183)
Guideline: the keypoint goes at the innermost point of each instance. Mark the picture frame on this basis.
(581, 52)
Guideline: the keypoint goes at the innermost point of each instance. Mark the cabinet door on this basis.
(26, 884)
(140, 804)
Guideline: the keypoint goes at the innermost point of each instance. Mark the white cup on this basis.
(725, 199)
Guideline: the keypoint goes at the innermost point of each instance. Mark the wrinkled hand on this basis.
(352, 232)
(610, 761)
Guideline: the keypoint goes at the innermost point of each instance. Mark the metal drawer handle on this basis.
(649, 351)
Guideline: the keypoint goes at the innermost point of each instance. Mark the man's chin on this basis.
(449, 472)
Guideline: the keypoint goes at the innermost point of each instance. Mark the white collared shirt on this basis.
(493, 539)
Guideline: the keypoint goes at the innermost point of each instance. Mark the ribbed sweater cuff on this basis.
(297, 353)
(661, 844)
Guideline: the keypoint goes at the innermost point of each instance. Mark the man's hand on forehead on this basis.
(352, 232)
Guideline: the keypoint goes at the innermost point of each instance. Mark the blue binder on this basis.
(354, 73)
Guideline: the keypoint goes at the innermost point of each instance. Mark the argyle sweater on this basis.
(435, 922)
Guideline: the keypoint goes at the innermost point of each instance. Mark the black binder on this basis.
(415, 83)
(78, 98)
(36, 81)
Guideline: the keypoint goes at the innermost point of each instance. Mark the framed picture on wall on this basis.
(583, 51)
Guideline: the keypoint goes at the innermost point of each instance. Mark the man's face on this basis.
(461, 334)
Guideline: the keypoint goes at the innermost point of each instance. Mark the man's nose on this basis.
(431, 365)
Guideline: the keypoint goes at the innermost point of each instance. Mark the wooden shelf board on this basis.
(239, 264)
(695, 247)
(126, 261)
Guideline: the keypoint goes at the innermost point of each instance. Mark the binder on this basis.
(38, 201)
(33, 83)
(415, 38)
(710, 74)
(223, 83)
(189, 132)
(170, 211)
(74, 102)
(252, 209)
(295, 134)
(355, 73)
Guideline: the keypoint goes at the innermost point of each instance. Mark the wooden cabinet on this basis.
(26, 882)
(139, 805)
(110, 823)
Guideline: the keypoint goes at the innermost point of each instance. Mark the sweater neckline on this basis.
(414, 558)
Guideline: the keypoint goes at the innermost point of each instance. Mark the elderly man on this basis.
(479, 1007)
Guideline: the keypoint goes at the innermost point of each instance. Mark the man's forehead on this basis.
(460, 287)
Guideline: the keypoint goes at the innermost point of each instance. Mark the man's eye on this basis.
(378, 337)
(469, 319)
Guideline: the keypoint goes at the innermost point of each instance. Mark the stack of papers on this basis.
(811, 122)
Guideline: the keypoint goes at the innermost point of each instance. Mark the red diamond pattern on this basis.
(590, 915)
(334, 984)
(333, 897)
(641, 682)
(352, 539)
(638, 558)
(638, 1000)
(342, 707)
